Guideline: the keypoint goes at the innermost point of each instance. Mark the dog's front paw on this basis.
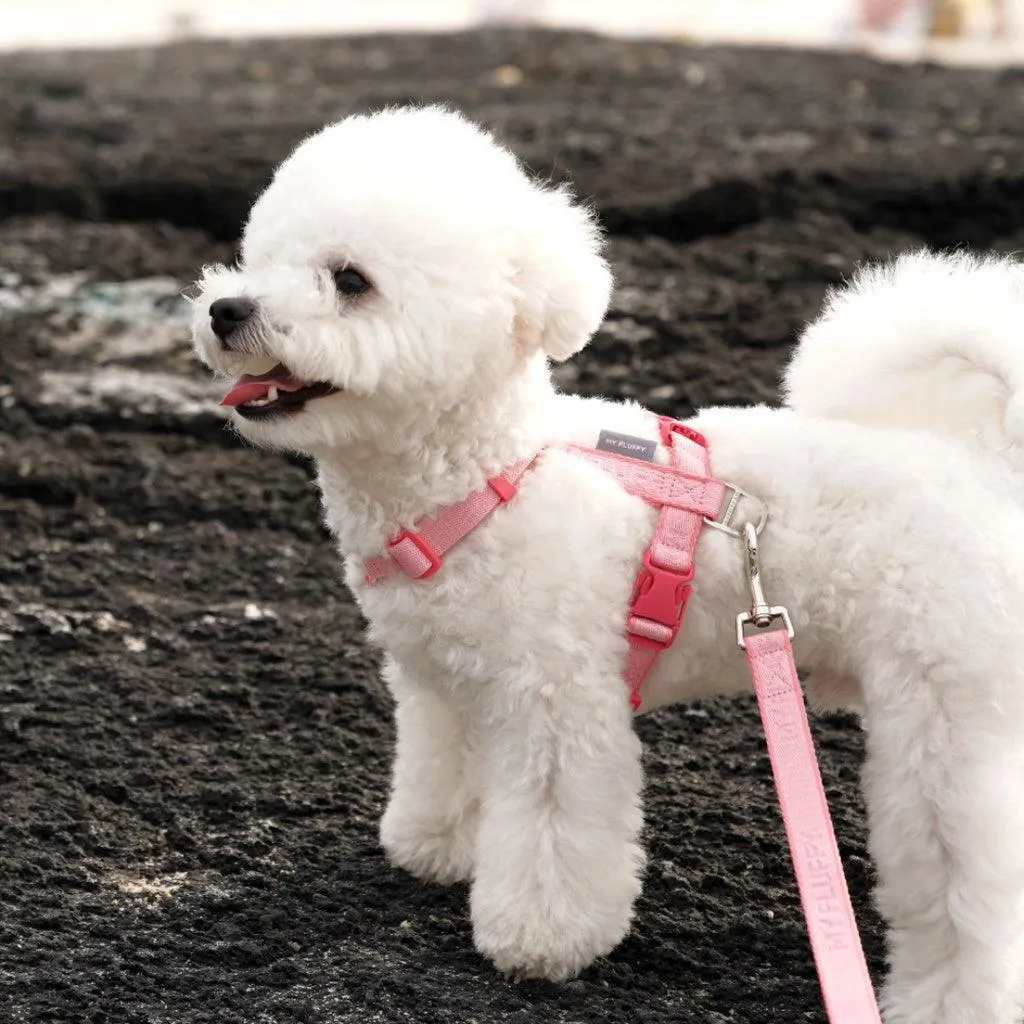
(549, 935)
(431, 849)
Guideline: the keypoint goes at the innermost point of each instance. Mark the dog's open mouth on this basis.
(274, 393)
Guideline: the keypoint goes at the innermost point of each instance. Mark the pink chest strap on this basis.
(418, 553)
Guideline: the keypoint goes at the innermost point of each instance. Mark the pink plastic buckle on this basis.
(502, 487)
(422, 545)
(659, 600)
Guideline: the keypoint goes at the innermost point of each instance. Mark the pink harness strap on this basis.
(418, 553)
(831, 926)
(671, 486)
(665, 581)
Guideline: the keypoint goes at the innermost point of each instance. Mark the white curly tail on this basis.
(928, 341)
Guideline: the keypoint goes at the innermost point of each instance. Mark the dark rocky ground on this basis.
(194, 747)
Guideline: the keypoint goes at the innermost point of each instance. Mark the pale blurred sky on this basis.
(77, 23)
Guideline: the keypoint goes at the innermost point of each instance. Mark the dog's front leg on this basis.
(557, 861)
(430, 822)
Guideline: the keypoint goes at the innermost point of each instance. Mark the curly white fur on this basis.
(517, 767)
(928, 340)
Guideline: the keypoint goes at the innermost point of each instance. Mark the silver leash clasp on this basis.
(761, 615)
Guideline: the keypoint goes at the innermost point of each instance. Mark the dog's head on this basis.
(402, 259)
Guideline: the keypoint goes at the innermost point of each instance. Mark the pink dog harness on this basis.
(684, 494)
(688, 497)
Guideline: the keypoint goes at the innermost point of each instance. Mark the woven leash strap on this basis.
(831, 925)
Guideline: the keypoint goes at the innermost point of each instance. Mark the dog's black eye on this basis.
(350, 282)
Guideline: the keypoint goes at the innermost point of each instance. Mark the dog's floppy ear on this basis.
(563, 281)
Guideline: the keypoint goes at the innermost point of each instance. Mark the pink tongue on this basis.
(250, 388)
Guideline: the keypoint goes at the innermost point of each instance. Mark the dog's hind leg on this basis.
(430, 822)
(557, 861)
(943, 785)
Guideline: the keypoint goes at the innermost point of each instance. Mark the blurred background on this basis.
(965, 31)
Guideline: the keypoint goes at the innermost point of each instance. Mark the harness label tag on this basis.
(624, 444)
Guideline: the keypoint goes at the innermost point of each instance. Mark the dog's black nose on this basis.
(227, 314)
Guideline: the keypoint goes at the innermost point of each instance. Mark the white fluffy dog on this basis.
(402, 288)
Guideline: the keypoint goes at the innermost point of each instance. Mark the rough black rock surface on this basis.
(193, 744)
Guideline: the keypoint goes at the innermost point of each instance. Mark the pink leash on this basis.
(764, 633)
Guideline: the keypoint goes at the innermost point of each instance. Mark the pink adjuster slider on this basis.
(669, 426)
(414, 554)
(502, 487)
(659, 600)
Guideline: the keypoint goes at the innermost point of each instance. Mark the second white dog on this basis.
(402, 288)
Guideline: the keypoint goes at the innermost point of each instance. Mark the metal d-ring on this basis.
(727, 513)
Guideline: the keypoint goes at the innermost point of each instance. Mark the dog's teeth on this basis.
(272, 394)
